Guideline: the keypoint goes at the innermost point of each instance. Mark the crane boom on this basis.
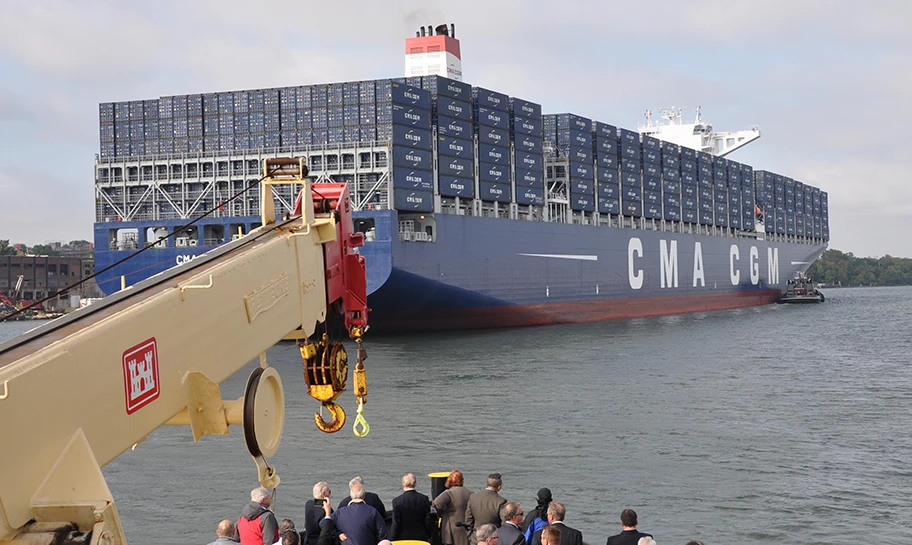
(81, 390)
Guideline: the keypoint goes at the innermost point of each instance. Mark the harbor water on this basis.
(764, 425)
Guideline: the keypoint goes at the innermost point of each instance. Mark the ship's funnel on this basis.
(434, 51)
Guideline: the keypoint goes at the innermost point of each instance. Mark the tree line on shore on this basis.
(844, 269)
(79, 246)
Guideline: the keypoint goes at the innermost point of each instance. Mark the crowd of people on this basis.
(457, 516)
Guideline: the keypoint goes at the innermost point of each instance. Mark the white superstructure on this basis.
(698, 135)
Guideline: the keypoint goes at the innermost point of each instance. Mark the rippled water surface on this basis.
(765, 425)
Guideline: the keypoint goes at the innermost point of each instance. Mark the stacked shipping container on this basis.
(480, 135)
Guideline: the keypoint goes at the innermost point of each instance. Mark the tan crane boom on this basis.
(79, 391)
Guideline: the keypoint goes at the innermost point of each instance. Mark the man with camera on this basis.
(314, 513)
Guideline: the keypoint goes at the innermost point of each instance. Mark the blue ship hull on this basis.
(483, 272)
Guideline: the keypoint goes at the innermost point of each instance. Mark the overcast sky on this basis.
(827, 82)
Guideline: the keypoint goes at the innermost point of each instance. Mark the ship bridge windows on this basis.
(132, 174)
(208, 169)
(176, 171)
(213, 234)
(117, 174)
(120, 239)
(222, 168)
(253, 166)
(147, 173)
(104, 174)
(192, 170)
(316, 163)
(348, 161)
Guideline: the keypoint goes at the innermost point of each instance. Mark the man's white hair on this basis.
(357, 480)
(357, 492)
(321, 490)
(646, 540)
(259, 494)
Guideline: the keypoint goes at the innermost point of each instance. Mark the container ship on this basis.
(478, 210)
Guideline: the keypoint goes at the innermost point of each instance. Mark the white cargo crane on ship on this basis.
(698, 135)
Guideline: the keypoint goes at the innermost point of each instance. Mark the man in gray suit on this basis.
(510, 533)
(484, 507)
(568, 535)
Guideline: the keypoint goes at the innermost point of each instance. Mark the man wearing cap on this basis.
(484, 507)
(537, 518)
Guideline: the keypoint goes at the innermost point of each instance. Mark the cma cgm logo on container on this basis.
(527, 109)
(414, 118)
(529, 160)
(456, 186)
(527, 143)
(496, 190)
(494, 117)
(455, 129)
(414, 137)
(456, 147)
(412, 96)
(412, 198)
(580, 139)
(410, 156)
(495, 172)
(454, 90)
(140, 370)
(493, 135)
(530, 178)
(528, 126)
(494, 100)
(455, 166)
(455, 108)
(531, 195)
(495, 155)
(411, 177)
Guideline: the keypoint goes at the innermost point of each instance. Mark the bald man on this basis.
(225, 533)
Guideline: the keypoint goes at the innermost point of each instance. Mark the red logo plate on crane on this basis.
(140, 368)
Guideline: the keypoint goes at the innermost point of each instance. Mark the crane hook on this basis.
(338, 418)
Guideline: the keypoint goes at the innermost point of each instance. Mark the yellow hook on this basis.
(337, 421)
(360, 421)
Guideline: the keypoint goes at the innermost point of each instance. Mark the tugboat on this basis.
(801, 290)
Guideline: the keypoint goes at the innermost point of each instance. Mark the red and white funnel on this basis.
(433, 52)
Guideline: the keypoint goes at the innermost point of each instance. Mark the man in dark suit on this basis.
(568, 535)
(510, 533)
(484, 507)
(361, 523)
(369, 498)
(410, 512)
(630, 535)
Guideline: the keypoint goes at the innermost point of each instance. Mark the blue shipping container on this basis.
(495, 136)
(490, 99)
(529, 178)
(460, 167)
(498, 155)
(652, 183)
(581, 187)
(608, 175)
(523, 125)
(526, 109)
(631, 179)
(454, 108)
(492, 118)
(582, 203)
(580, 171)
(454, 147)
(608, 190)
(528, 143)
(533, 196)
(409, 96)
(415, 201)
(607, 205)
(408, 116)
(421, 180)
(531, 161)
(493, 173)
(451, 186)
(498, 192)
(456, 128)
(630, 165)
(578, 154)
(412, 158)
(650, 169)
(410, 137)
